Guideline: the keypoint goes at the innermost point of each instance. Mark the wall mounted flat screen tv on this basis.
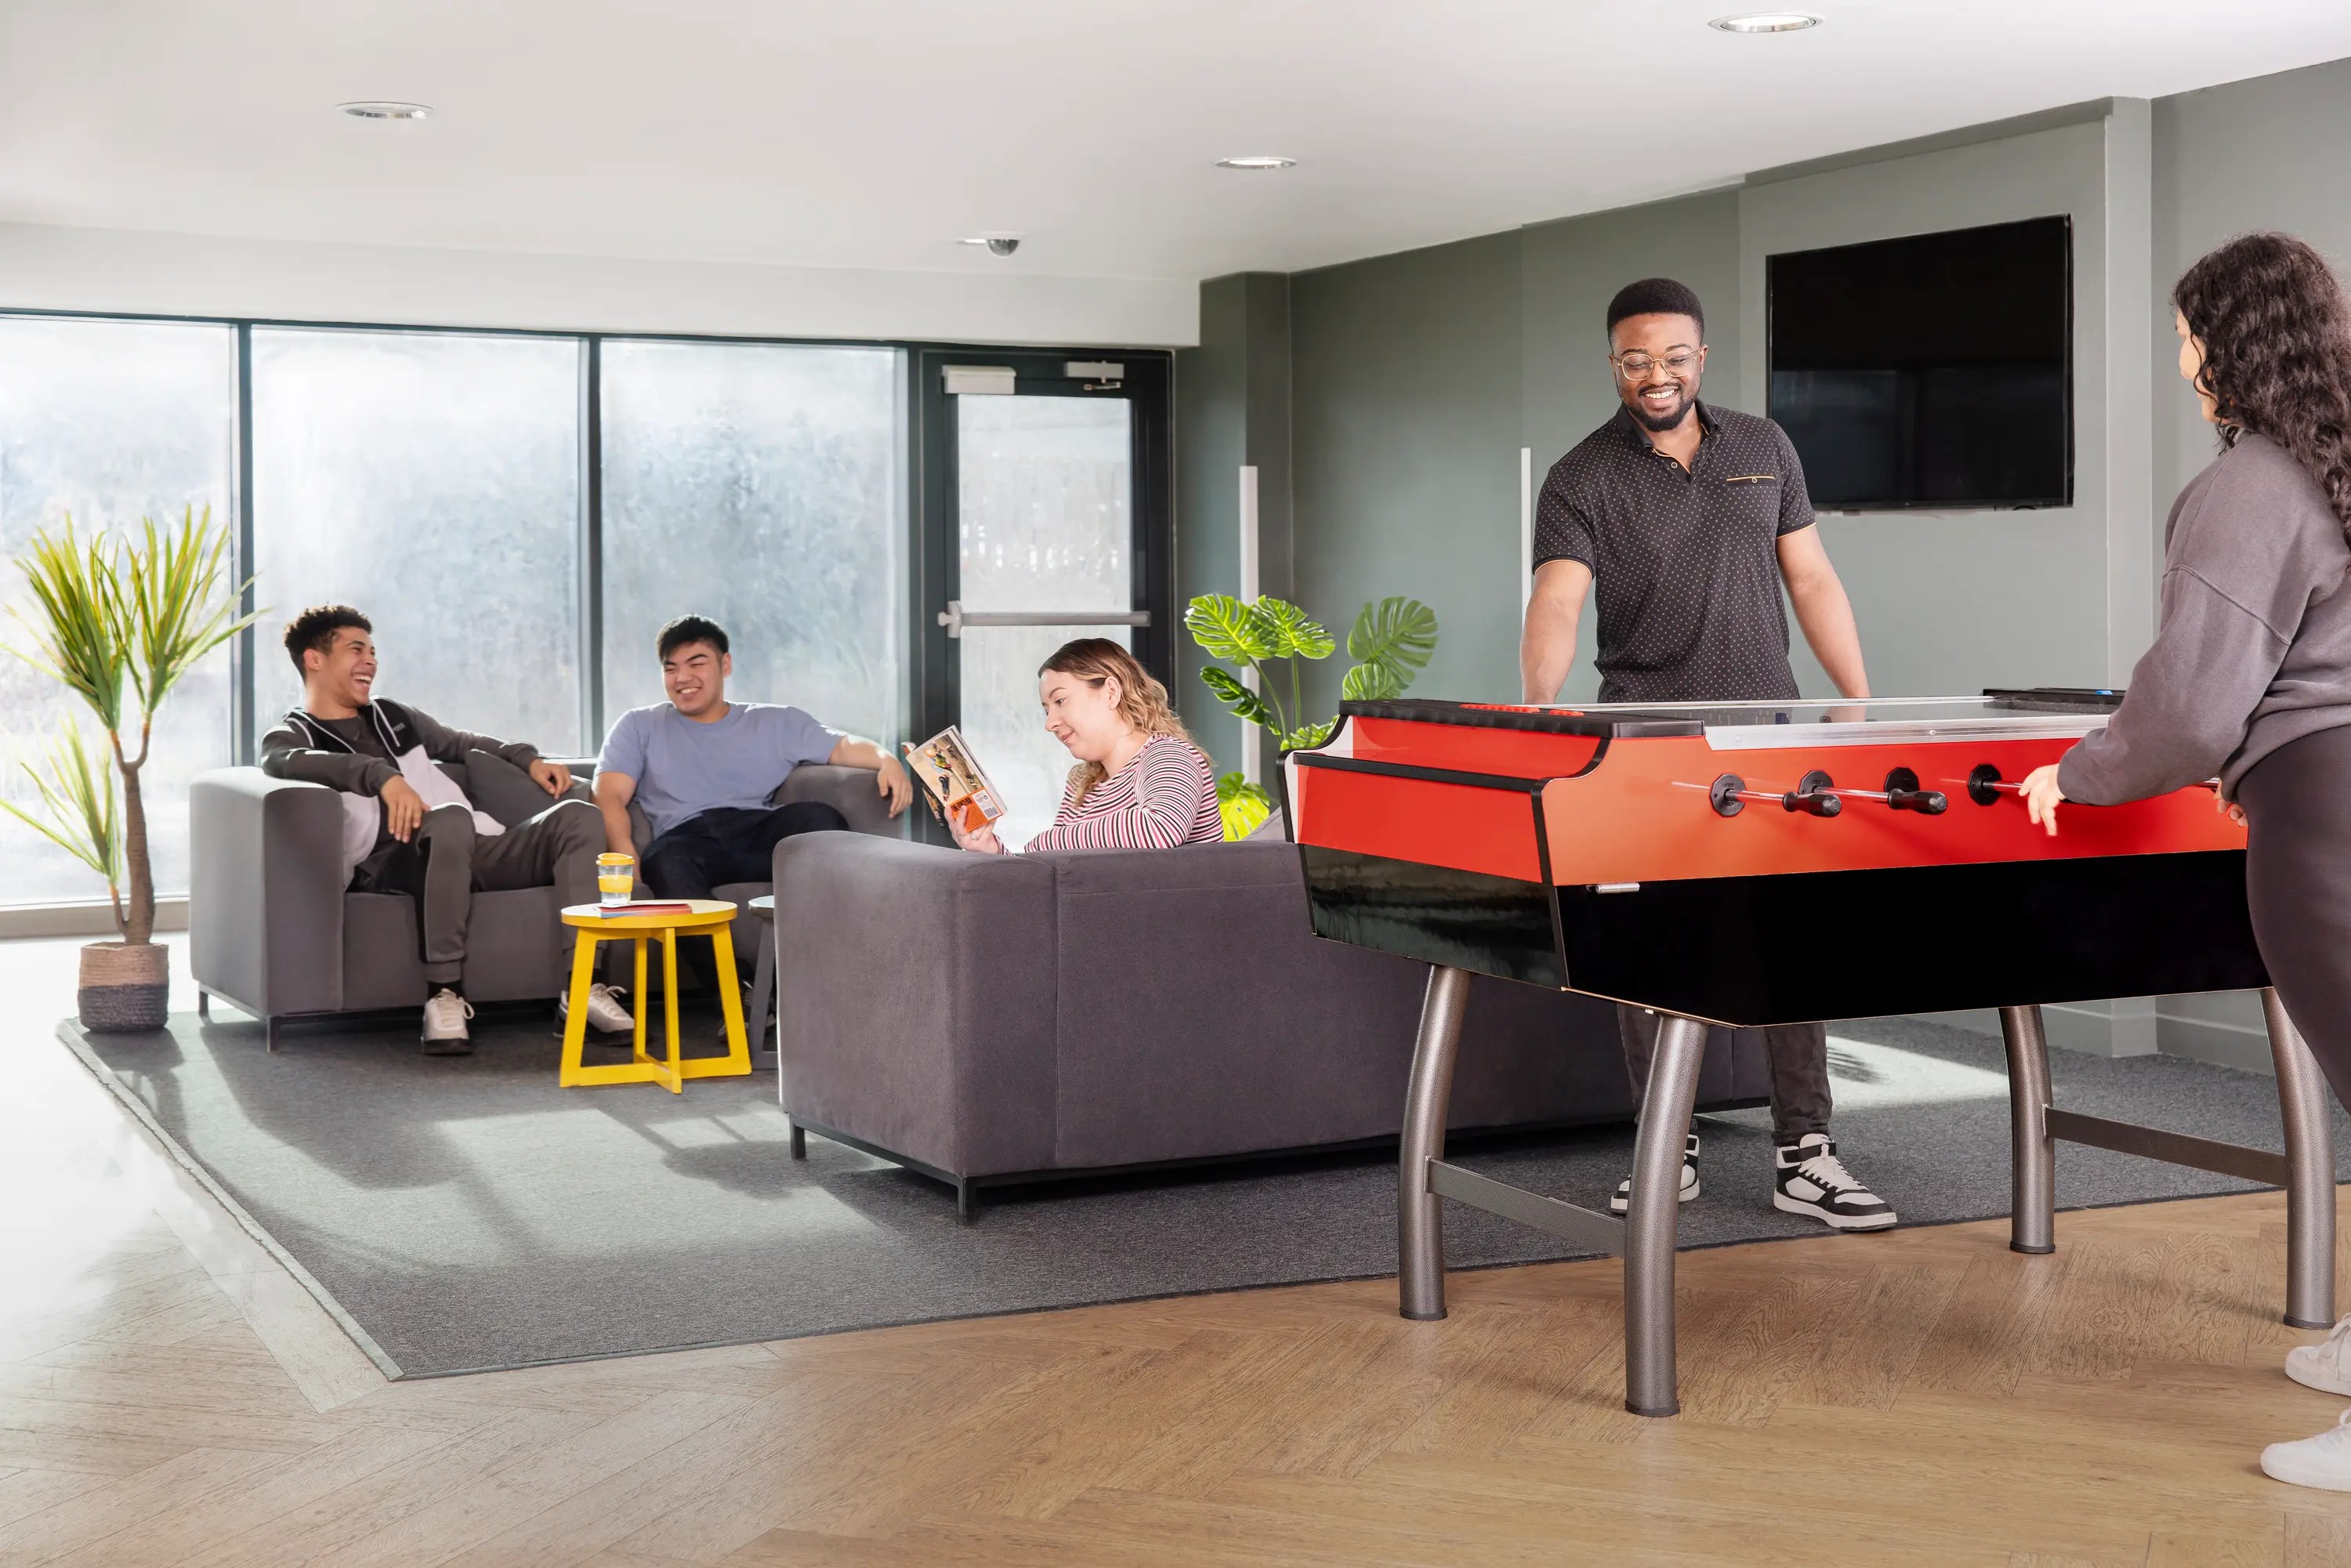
(1935, 370)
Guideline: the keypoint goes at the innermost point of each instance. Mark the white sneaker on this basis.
(2320, 1365)
(1810, 1179)
(605, 1013)
(444, 1024)
(2324, 1461)
(1622, 1202)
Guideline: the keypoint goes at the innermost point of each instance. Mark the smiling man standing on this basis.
(1688, 518)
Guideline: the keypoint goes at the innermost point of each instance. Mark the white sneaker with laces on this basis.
(2324, 1461)
(605, 1013)
(445, 1013)
(1811, 1180)
(1623, 1202)
(2323, 1365)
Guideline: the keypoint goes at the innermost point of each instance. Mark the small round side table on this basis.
(711, 917)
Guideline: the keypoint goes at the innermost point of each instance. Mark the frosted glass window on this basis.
(758, 485)
(1044, 492)
(432, 480)
(109, 421)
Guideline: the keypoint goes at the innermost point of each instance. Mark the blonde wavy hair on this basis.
(1142, 700)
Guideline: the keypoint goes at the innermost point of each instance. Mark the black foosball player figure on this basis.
(1686, 518)
(2249, 678)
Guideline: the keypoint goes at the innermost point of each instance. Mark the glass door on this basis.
(1050, 524)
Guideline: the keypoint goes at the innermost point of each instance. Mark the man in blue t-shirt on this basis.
(704, 767)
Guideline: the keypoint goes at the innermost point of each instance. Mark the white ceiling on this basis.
(871, 133)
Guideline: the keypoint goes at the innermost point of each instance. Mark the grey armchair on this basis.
(272, 930)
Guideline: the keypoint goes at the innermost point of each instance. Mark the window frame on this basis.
(925, 529)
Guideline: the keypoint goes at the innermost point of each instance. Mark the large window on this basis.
(108, 421)
(432, 479)
(758, 485)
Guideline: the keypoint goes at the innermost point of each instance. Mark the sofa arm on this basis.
(266, 892)
(915, 1005)
(850, 790)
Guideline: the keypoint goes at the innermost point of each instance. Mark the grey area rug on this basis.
(465, 1214)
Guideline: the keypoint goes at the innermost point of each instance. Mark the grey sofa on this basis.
(272, 930)
(986, 1019)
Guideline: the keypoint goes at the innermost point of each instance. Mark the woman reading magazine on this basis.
(1140, 783)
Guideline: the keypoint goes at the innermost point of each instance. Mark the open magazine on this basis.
(955, 781)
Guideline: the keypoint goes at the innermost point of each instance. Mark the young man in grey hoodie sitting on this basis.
(407, 828)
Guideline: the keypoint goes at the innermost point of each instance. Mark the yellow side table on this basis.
(712, 917)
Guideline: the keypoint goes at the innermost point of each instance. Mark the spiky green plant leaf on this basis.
(77, 809)
(1286, 630)
(1237, 698)
(1242, 806)
(76, 585)
(175, 607)
(1222, 625)
(1394, 636)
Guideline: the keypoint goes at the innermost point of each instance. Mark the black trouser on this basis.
(727, 845)
(1797, 1054)
(449, 861)
(2298, 883)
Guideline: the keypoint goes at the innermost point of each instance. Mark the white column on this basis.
(1526, 527)
(1252, 765)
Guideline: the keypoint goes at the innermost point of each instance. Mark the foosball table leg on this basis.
(2033, 1193)
(1420, 1224)
(2302, 1098)
(1650, 1219)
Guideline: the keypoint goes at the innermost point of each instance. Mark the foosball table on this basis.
(1755, 863)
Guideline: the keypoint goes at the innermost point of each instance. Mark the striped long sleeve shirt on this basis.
(1165, 797)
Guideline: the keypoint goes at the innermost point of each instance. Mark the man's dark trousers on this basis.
(729, 843)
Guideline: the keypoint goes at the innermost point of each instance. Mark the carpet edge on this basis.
(69, 1034)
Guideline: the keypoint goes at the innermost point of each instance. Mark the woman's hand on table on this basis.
(2041, 797)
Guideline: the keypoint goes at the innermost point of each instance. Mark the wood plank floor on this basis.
(167, 1396)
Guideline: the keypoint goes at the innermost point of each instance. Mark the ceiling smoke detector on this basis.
(384, 109)
(1257, 162)
(1766, 22)
(998, 245)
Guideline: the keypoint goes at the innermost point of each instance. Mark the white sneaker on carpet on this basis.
(1811, 1180)
(2324, 1461)
(2322, 1365)
(1622, 1202)
(605, 1013)
(445, 1013)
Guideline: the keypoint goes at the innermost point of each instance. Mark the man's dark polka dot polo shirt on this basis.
(1683, 563)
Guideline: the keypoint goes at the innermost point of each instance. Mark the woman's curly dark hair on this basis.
(2277, 351)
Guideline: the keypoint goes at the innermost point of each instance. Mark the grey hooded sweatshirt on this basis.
(2253, 650)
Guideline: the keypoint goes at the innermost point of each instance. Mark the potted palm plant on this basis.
(119, 622)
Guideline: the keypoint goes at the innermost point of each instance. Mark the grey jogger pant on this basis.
(1798, 1054)
(557, 847)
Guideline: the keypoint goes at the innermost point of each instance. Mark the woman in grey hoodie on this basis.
(2250, 674)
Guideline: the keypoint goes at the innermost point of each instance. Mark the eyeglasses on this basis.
(1636, 367)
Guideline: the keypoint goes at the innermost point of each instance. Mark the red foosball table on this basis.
(1756, 864)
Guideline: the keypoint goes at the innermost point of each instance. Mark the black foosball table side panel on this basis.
(1462, 919)
(1869, 944)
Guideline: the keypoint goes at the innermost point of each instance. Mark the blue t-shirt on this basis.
(684, 768)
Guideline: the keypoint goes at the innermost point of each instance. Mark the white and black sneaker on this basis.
(445, 1013)
(605, 1013)
(1623, 1201)
(1813, 1180)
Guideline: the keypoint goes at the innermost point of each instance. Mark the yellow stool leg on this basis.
(638, 1053)
(738, 1060)
(669, 1006)
(575, 1023)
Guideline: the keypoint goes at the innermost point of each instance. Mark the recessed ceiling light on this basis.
(1765, 22)
(384, 109)
(1257, 162)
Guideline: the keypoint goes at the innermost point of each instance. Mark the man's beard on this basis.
(1658, 423)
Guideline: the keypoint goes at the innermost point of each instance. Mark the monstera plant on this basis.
(120, 622)
(1391, 642)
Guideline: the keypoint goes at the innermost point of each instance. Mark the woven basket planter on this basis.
(125, 987)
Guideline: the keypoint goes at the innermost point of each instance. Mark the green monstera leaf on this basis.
(1391, 644)
(1306, 736)
(1227, 627)
(1285, 629)
(1242, 805)
(1243, 702)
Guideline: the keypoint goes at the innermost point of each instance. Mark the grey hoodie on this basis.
(2253, 648)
